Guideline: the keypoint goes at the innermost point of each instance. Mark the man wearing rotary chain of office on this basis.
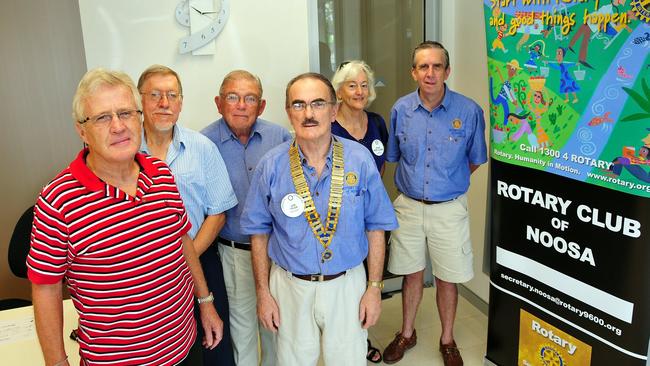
(315, 209)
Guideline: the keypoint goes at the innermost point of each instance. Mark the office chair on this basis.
(17, 254)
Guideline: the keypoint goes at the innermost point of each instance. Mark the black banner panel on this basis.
(570, 280)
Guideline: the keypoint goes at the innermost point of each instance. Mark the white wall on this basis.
(268, 38)
(463, 34)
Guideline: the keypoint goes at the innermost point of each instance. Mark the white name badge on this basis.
(377, 148)
(292, 205)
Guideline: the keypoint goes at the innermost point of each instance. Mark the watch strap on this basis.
(209, 298)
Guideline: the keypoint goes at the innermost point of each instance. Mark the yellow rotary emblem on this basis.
(642, 9)
(550, 356)
(351, 179)
(456, 124)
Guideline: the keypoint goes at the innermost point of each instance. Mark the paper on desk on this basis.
(17, 330)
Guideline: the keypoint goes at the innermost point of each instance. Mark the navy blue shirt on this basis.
(375, 139)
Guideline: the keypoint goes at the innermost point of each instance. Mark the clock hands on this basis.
(204, 26)
(204, 12)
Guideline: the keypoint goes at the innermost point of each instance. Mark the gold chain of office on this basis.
(324, 235)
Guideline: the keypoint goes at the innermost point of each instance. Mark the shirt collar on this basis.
(179, 137)
(225, 133)
(88, 179)
(417, 101)
(178, 140)
(328, 161)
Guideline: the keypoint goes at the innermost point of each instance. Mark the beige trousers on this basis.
(244, 326)
(312, 313)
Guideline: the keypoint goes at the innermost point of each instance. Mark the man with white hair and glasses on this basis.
(243, 138)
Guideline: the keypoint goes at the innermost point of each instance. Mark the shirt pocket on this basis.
(190, 182)
(453, 145)
(295, 230)
(352, 213)
(409, 144)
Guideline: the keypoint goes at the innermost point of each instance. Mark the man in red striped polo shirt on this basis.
(113, 225)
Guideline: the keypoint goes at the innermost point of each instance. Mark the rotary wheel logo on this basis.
(642, 9)
(550, 357)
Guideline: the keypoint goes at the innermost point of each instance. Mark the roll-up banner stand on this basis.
(569, 182)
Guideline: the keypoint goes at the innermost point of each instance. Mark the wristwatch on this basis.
(378, 284)
(208, 298)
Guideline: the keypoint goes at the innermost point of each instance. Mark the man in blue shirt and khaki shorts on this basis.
(437, 138)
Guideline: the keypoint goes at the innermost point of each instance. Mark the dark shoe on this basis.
(450, 354)
(395, 350)
(373, 354)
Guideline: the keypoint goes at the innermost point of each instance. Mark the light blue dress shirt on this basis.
(292, 244)
(433, 150)
(241, 161)
(200, 175)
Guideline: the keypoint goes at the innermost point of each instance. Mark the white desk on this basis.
(26, 350)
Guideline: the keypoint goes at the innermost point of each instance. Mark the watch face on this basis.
(205, 22)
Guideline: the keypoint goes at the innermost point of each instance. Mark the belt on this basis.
(318, 277)
(234, 244)
(428, 202)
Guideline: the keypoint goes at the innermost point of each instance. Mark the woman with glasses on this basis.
(354, 84)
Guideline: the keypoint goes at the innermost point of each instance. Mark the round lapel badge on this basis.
(292, 205)
(377, 148)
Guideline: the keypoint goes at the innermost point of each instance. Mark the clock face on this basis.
(183, 13)
(205, 23)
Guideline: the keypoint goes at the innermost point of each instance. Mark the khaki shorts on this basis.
(443, 227)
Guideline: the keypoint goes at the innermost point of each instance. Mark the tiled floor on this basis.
(470, 331)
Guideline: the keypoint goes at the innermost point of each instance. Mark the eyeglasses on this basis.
(156, 95)
(342, 65)
(250, 100)
(106, 118)
(316, 105)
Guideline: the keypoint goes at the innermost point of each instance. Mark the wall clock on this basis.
(205, 23)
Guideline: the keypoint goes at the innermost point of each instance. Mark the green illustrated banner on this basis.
(570, 89)
(569, 182)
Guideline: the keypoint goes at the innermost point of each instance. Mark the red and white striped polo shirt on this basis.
(122, 258)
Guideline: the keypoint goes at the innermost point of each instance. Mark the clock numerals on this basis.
(182, 13)
(206, 34)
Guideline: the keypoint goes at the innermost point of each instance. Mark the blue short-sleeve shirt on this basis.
(200, 175)
(292, 244)
(433, 149)
(241, 161)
